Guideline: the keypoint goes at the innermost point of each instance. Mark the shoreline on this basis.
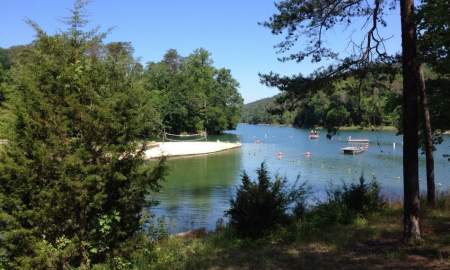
(187, 149)
(343, 128)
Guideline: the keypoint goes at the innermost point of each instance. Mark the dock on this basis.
(362, 141)
(353, 150)
(357, 146)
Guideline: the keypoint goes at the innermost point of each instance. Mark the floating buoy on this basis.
(279, 155)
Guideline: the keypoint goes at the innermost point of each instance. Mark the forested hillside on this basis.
(259, 112)
(346, 103)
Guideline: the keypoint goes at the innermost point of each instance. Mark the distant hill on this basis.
(256, 113)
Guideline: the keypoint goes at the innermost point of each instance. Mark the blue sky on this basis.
(227, 28)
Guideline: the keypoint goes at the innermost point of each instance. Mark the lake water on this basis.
(197, 190)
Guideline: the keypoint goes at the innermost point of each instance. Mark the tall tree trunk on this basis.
(411, 78)
(431, 190)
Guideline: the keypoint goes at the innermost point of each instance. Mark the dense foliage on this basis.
(5, 65)
(193, 95)
(73, 183)
(434, 34)
(260, 206)
(5, 62)
(434, 46)
(186, 94)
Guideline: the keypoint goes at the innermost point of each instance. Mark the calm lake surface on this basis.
(198, 189)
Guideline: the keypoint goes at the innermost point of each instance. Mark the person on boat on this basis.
(313, 134)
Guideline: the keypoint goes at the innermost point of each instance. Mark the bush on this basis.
(346, 203)
(260, 206)
(362, 198)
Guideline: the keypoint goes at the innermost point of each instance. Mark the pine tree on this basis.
(261, 205)
(73, 183)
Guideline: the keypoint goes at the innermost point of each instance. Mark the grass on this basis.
(372, 243)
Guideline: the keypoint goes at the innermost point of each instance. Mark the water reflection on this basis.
(197, 190)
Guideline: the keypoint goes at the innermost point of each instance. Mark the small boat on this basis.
(353, 150)
(314, 134)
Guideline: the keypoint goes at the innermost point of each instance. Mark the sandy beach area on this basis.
(172, 149)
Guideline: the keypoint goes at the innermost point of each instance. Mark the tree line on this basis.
(346, 102)
(182, 94)
(191, 94)
(349, 101)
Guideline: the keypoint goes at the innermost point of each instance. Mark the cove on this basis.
(198, 189)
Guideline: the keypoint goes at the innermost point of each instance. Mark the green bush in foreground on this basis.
(73, 182)
(260, 206)
(346, 203)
